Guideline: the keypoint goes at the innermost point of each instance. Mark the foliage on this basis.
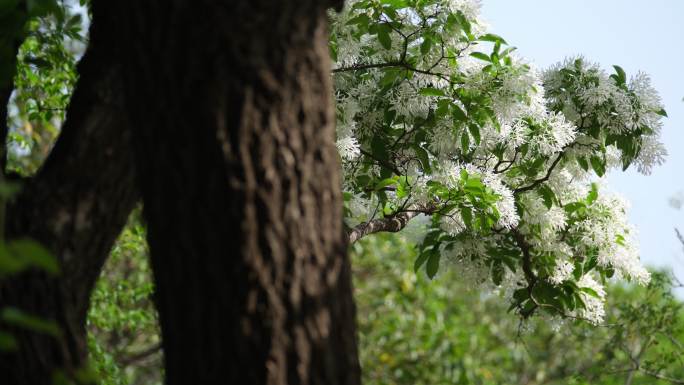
(420, 331)
(51, 39)
(17, 256)
(123, 331)
(414, 330)
(437, 116)
(43, 75)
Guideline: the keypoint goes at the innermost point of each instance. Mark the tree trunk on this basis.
(239, 175)
(75, 206)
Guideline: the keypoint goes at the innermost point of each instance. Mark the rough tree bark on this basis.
(239, 175)
(76, 206)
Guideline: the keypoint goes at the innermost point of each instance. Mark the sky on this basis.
(638, 35)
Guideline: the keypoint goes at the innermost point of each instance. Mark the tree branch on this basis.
(141, 355)
(398, 64)
(542, 180)
(525, 247)
(390, 224)
(661, 377)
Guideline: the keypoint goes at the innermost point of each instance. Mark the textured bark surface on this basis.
(75, 206)
(239, 175)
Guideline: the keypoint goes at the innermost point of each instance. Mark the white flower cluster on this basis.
(537, 141)
(607, 230)
(562, 272)
(594, 310)
(618, 106)
(348, 147)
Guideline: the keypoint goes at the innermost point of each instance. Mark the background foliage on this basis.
(413, 330)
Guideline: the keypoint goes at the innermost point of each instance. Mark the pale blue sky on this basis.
(637, 35)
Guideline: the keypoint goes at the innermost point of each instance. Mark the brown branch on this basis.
(398, 64)
(542, 180)
(141, 355)
(358, 67)
(530, 277)
(525, 247)
(660, 376)
(636, 360)
(389, 224)
(509, 162)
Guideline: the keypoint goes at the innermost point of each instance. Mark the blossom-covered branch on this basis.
(434, 110)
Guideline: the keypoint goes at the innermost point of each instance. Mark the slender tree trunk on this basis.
(75, 206)
(239, 175)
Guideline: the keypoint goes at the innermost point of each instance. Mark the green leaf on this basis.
(16, 317)
(507, 51)
(598, 165)
(401, 189)
(458, 113)
(591, 263)
(465, 141)
(474, 185)
(425, 46)
(493, 38)
(432, 264)
(481, 56)
(422, 258)
(467, 216)
(548, 195)
(475, 132)
(431, 91)
(423, 157)
(379, 148)
(621, 77)
(384, 36)
(9, 264)
(442, 108)
(497, 273)
(42, 7)
(34, 255)
(583, 163)
(593, 194)
(7, 342)
(574, 206)
(74, 21)
(361, 20)
(384, 183)
(397, 4)
(662, 112)
(463, 22)
(590, 291)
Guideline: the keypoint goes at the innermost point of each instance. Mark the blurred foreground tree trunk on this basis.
(234, 138)
(231, 135)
